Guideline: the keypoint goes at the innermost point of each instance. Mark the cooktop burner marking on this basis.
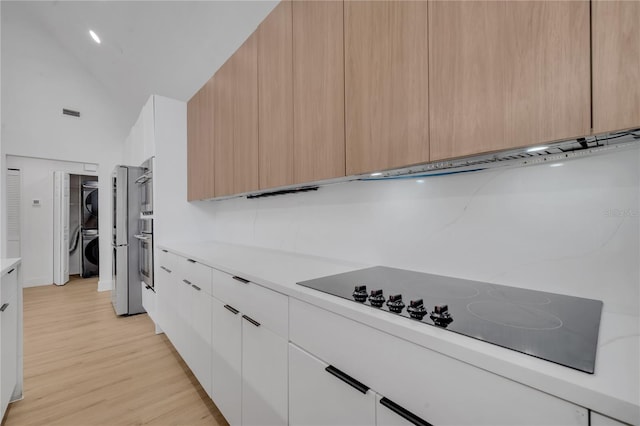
(515, 295)
(512, 315)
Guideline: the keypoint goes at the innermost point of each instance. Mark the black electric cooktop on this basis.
(554, 327)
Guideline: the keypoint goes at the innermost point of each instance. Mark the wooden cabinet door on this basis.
(264, 376)
(226, 362)
(200, 178)
(275, 98)
(507, 74)
(386, 84)
(318, 90)
(616, 65)
(319, 398)
(235, 106)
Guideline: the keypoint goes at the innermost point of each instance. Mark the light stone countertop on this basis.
(613, 390)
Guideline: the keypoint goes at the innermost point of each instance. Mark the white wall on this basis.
(36, 227)
(39, 78)
(570, 229)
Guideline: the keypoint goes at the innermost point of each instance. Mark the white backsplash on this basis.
(570, 229)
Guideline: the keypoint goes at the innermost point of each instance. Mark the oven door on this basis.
(145, 242)
(145, 182)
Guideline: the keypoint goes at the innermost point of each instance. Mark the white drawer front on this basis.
(166, 260)
(269, 308)
(437, 388)
(195, 273)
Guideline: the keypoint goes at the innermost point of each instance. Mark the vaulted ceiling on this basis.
(149, 47)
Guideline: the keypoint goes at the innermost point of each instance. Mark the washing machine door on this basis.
(92, 251)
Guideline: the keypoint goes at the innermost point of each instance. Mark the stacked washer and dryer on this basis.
(89, 229)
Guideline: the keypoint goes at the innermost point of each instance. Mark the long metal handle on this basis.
(142, 237)
(196, 287)
(402, 412)
(5, 306)
(242, 280)
(251, 320)
(231, 309)
(12, 269)
(166, 269)
(186, 282)
(347, 379)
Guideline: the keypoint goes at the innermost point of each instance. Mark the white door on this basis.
(13, 213)
(317, 397)
(226, 363)
(201, 337)
(61, 228)
(264, 376)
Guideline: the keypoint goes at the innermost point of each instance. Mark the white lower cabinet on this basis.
(227, 361)
(250, 359)
(264, 375)
(149, 300)
(9, 329)
(200, 332)
(317, 397)
(436, 388)
(389, 414)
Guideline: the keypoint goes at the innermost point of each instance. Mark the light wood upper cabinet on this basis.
(200, 178)
(507, 74)
(616, 65)
(275, 98)
(235, 92)
(386, 84)
(318, 90)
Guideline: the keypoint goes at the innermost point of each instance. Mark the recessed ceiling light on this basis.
(376, 174)
(556, 165)
(94, 36)
(420, 181)
(537, 148)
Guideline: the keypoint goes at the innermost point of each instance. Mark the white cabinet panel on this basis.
(195, 273)
(9, 339)
(200, 347)
(429, 384)
(598, 419)
(149, 301)
(264, 376)
(226, 362)
(319, 398)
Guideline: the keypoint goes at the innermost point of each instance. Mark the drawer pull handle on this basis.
(5, 306)
(196, 287)
(242, 280)
(233, 310)
(187, 282)
(164, 251)
(12, 269)
(407, 415)
(347, 379)
(251, 320)
(191, 260)
(150, 288)
(166, 269)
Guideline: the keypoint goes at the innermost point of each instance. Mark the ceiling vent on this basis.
(71, 112)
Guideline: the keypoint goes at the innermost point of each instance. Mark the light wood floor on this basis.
(85, 366)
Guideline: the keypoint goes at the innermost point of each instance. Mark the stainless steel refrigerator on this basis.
(126, 295)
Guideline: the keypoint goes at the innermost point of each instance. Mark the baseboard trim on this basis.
(105, 285)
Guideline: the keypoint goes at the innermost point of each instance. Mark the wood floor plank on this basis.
(85, 366)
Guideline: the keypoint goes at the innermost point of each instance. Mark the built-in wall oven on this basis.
(145, 242)
(145, 182)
